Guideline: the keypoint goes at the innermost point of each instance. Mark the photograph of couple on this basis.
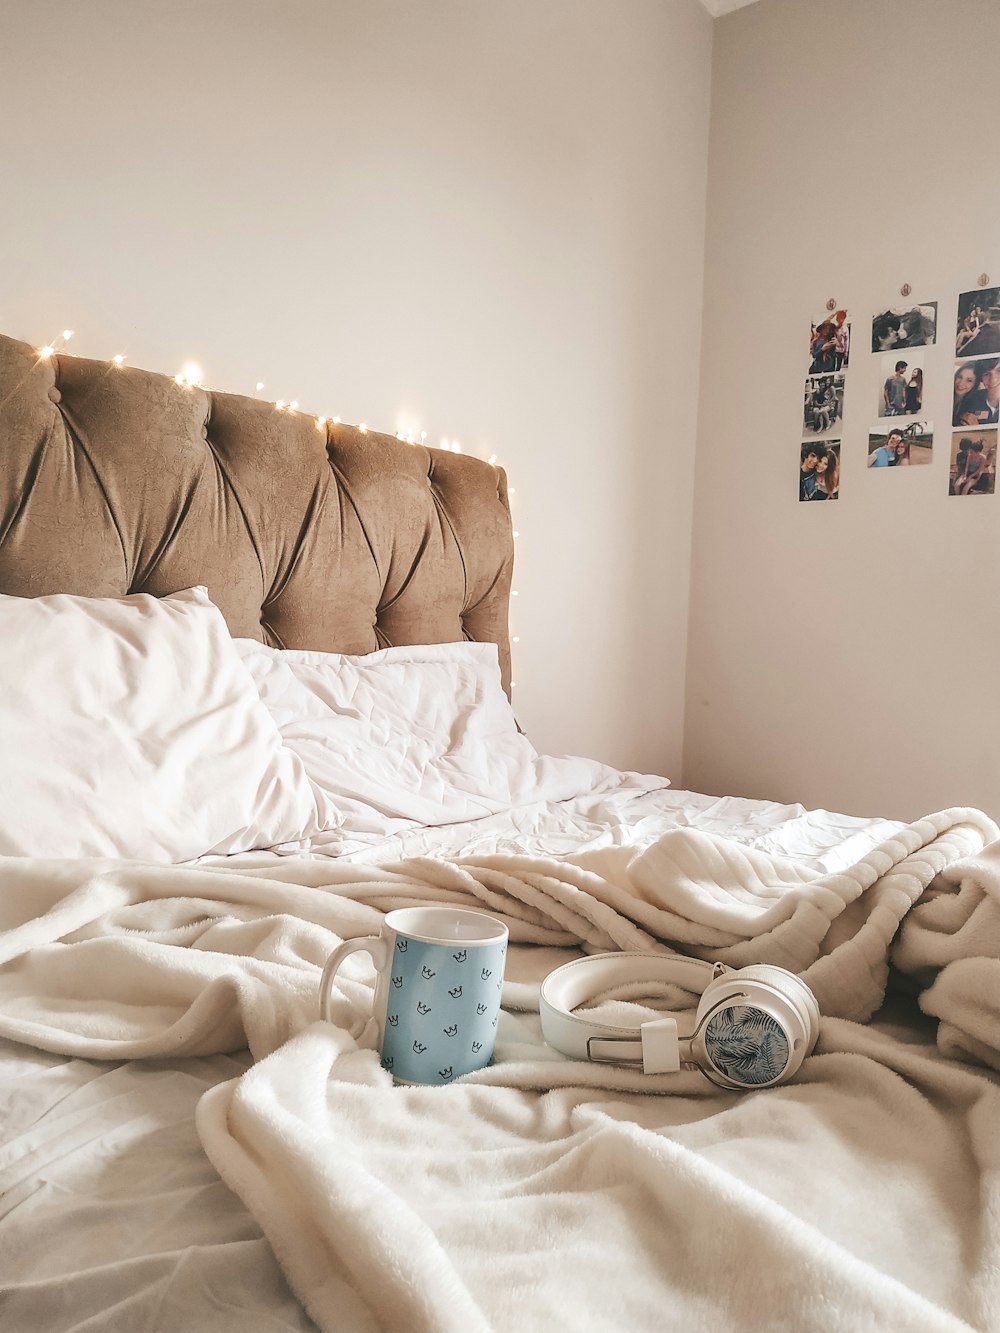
(978, 328)
(829, 344)
(819, 471)
(902, 385)
(912, 327)
(976, 400)
(902, 445)
(823, 405)
(973, 463)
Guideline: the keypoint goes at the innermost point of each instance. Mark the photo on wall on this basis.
(978, 328)
(819, 470)
(829, 344)
(902, 384)
(823, 405)
(973, 468)
(976, 392)
(910, 326)
(901, 446)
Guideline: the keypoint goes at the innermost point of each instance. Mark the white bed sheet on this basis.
(634, 813)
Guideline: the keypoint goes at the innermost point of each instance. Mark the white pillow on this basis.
(409, 736)
(130, 728)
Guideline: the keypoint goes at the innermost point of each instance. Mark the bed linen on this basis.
(599, 1204)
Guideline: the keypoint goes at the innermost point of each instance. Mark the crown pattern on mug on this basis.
(451, 1030)
(401, 945)
(427, 972)
(461, 956)
(423, 1008)
(456, 992)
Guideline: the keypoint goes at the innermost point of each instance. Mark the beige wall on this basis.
(484, 216)
(843, 655)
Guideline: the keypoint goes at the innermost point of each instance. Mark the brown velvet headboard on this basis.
(116, 480)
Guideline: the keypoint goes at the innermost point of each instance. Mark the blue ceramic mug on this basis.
(437, 999)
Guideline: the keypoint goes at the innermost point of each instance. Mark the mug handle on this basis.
(372, 944)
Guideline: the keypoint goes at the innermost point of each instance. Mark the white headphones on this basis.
(753, 1028)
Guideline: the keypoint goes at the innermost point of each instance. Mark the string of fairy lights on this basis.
(190, 377)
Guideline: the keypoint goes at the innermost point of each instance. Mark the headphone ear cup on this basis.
(794, 990)
(767, 988)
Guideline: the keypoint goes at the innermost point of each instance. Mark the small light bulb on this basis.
(260, 385)
(191, 373)
(67, 334)
(178, 378)
(513, 683)
(280, 404)
(514, 592)
(516, 533)
(119, 360)
(456, 448)
(516, 638)
(510, 490)
(320, 422)
(293, 406)
(492, 459)
(363, 427)
(445, 444)
(336, 421)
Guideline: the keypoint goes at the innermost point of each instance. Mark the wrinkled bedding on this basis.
(112, 1216)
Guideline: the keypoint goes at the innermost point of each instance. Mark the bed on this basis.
(255, 694)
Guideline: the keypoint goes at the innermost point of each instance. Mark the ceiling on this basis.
(719, 7)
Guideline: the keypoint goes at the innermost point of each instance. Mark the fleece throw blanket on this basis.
(541, 1191)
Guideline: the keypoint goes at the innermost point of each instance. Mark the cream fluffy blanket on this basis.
(541, 1192)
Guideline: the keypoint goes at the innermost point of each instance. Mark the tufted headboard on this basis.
(117, 480)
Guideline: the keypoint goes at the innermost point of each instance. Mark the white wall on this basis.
(845, 655)
(486, 217)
